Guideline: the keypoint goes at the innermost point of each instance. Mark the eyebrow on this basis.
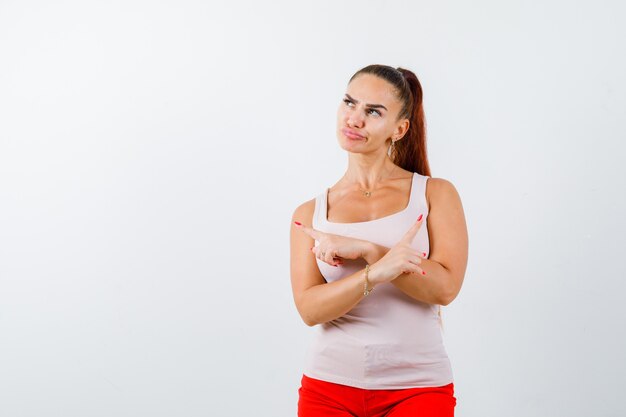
(374, 106)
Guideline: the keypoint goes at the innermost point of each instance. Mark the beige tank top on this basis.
(388, 340)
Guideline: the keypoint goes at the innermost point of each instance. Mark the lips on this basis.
(352, 134)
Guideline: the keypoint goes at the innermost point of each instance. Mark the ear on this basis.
(401, 129)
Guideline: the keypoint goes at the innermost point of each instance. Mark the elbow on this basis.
(306, 311)
(450, 289)
(448, 297)
(307, 318)
(309, 321)
(444, 301)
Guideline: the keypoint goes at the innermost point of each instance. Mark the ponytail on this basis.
(411, 150)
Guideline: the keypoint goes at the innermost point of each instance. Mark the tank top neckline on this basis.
(389, 216)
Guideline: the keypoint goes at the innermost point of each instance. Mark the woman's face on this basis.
(369, 110)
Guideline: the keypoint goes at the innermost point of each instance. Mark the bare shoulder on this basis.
(304, 212)
(440, 190)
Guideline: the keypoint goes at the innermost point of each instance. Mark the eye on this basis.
(348, 102)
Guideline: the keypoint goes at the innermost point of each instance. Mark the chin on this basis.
(351, 146)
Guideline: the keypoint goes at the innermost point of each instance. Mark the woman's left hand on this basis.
(333, 248)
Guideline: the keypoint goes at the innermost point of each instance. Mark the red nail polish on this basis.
(420, 217)
(298, 223)
(424, 253)
(423, 273)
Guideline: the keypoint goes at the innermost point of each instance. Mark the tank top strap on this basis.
(319, 209)
(418, 192)
(414, 197)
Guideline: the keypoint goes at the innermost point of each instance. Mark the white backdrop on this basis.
(152, 154)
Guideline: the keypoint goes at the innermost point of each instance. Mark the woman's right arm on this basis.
(316, 300)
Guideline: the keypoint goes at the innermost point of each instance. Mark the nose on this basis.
(354, 120)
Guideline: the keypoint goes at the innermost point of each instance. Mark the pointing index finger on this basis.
(308, 230)
(410, 234)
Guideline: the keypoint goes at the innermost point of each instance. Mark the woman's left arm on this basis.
(447, 261)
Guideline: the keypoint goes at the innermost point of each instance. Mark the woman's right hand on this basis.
(400, 259)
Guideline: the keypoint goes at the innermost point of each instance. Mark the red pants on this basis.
(321, 399)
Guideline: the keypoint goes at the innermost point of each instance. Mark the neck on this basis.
(368, 174)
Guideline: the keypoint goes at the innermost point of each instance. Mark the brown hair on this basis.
(410, 152)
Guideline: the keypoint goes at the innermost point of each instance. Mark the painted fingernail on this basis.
(420, 217)
(423, 273)
(298, 223)
(424, 253)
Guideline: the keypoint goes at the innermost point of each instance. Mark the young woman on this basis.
(373, 259)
